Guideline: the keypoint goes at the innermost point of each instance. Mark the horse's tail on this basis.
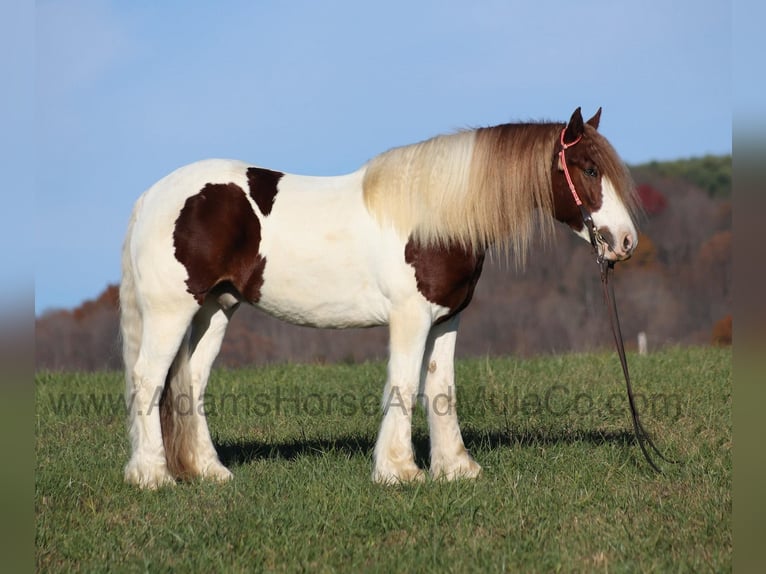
(177, 417)
(178, 424)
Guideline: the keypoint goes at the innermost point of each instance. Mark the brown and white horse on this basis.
(400, 242)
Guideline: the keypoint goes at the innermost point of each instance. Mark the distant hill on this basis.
(711, 173)
(676, 289)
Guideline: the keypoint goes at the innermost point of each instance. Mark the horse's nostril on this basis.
(627, 243)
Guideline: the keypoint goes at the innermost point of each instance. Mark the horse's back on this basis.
(303, 248)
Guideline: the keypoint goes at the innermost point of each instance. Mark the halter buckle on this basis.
(597, 240)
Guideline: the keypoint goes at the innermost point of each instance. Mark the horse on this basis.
(399, 242)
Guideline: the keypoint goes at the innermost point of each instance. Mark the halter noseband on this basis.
(596, 239)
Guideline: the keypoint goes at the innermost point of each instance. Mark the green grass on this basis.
(564, 487)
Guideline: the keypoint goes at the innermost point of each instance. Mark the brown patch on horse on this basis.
(217, 238)
(263, 187)
(445, 275)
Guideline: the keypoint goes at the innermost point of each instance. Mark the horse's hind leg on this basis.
(162, 334)
(208, 330)
(449, 457)
(394, 459)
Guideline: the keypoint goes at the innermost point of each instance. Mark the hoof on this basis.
(464, 467)
(217, 472)
(392, 476)
(150, 476)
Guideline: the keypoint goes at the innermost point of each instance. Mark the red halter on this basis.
(595, 237)
(562, 157)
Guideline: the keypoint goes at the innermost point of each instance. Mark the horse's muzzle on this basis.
(619, 246)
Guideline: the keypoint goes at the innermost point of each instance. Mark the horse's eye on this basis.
(591, 172)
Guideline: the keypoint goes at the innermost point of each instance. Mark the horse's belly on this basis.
(319, 298)
(324, 278)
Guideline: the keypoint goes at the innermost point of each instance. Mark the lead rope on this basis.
(606, 267)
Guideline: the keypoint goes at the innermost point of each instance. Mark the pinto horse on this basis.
(400, 242)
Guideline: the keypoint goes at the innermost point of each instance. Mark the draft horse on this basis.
(400, 242)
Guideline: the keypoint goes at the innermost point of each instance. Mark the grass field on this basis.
(564, 487)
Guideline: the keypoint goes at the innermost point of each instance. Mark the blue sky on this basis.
(128, 91)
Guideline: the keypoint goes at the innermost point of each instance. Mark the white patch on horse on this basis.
(613, 216)
(320, 245)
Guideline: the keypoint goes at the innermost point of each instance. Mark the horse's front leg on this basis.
(449, 457)
(394, 460)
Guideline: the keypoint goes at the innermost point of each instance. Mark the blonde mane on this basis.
(490, 186)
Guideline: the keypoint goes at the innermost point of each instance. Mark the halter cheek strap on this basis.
(562, 156)
(596, 239)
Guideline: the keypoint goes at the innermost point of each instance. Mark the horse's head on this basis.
(601, 183)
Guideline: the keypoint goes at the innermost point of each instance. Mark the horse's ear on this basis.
(594, 121)
(575, 127)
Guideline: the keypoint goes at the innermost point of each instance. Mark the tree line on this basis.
(711, 173)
